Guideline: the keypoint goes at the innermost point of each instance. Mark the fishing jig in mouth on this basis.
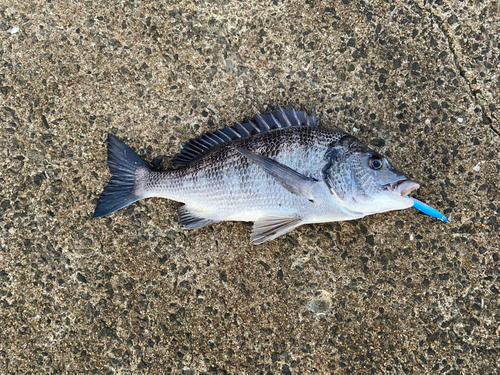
(428, 210)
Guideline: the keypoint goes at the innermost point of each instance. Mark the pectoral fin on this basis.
(268, 228)
(287, 177)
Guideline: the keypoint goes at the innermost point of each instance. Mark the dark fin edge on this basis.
(188, 220)
(260, 123)
(123, 164)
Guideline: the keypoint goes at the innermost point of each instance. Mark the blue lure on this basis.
(428, 210)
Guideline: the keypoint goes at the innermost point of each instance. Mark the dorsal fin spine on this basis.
(303, 118)
(254, 129)
(281, 116)
(209, 141)
(216, 137)
(241, 129)
(271, 120)
(196, 147)
(204, 142)
(222, 135)
(264, 126)
(231, 133)
(292, 115)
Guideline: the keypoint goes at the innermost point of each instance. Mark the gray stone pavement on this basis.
(397, 292)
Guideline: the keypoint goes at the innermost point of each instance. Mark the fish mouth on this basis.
(403, 187)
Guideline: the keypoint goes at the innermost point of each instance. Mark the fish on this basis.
(280, 170)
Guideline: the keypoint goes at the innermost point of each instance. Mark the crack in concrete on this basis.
(473, 91)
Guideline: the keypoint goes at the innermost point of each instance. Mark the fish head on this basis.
(363, 181)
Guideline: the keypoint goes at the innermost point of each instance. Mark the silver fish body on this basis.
(280, 170)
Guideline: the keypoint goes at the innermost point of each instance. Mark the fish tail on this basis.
(127, 170)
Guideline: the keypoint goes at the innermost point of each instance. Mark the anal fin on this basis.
(268, 228)
(188, 220)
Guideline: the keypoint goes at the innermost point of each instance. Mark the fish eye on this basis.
(375, 162)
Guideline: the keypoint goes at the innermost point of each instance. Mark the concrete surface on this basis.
(132, 293)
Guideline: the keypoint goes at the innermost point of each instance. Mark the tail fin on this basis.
(123, 164)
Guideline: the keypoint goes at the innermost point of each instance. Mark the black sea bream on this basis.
(280, 170)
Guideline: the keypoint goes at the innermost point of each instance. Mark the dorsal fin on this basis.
(261, 123)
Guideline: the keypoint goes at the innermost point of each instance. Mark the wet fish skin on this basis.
(281, 178)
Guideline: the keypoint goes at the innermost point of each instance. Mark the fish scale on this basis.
(280, 170)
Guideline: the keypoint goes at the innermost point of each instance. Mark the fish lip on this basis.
(403, 187)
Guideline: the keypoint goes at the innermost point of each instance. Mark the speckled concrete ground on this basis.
(395, 293)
